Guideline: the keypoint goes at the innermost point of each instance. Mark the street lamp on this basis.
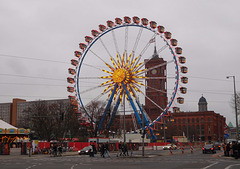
(235, 99)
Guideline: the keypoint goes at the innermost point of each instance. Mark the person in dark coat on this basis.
(120, 149)
(227, 149)
(102, 150)
(107, 149)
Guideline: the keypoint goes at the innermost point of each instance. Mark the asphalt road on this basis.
(153, 159)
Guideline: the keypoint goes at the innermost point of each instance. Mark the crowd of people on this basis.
(104, 150)
(232, 149)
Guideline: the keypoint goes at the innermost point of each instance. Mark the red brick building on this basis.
(198, 126)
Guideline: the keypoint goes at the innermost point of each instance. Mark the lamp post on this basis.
(235, 100)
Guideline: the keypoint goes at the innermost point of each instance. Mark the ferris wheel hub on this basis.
(119, 75)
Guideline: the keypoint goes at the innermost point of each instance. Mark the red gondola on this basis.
(178, 50)
(184, 80)
(173, 42)
(73, 100)
(168, 35)
(182, 59)
(82, 46)
(183, 90)
(144, 21)
(71, 71)
(153, 24)
(127, 19)
(70, 80)
(78, 54)
(136, 20)
(176, 109)
(75, 107)
(180, 100)
(184, 69)
(70, 89)
(95, 33)
(118, 21)
(161, 29)
(110, 24)
(88, 39)
(102, 28)
(74, 62)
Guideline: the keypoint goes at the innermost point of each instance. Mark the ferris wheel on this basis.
(131, 59)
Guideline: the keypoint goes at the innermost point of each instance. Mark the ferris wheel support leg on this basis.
(132, 104)
(144, 115)
(107, 107)
(114, 113)
(150, 131)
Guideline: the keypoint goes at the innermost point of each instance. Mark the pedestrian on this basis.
(94, 148)
(131, 147)
(225, 149)
(235, 150)
(125, 151)
(120, 149)
(107, 149)
(102, 150)
(238, 146)
(91, 152)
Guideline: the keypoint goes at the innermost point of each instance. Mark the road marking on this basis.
(228, 167)
(210, 165)
(74, 166)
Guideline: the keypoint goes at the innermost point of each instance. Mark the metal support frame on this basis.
(107, 107)
(114, 113)
(133, 105)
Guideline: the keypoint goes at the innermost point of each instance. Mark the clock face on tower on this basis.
(154, 71)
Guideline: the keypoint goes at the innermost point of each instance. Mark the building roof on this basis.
(155, 54)
(5, 125)
(202, 100)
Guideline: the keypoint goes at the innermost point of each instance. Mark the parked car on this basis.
(168, 146)
(208, 148)
(85, 150)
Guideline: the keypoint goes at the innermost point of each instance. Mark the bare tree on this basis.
(51, 121)
(95, 110)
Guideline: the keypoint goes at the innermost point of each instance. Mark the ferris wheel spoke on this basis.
(126, 41)
(115, 41)
(160, 50)
(94, 99)
(144, 50)
(154, 67)
(91, 89)
(137, 40)
(153, 102)
(98, 56)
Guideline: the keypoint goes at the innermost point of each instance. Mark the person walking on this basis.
(102, 150)
(107, 149)
(125, 147)
(120, 149)
(228, 149)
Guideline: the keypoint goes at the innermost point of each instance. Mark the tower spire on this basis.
(155, 54)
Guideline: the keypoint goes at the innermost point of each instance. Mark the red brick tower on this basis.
(156, 85)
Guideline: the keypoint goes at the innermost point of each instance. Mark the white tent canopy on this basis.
(5, 125)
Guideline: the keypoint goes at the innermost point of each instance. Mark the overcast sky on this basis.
(38, 38)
